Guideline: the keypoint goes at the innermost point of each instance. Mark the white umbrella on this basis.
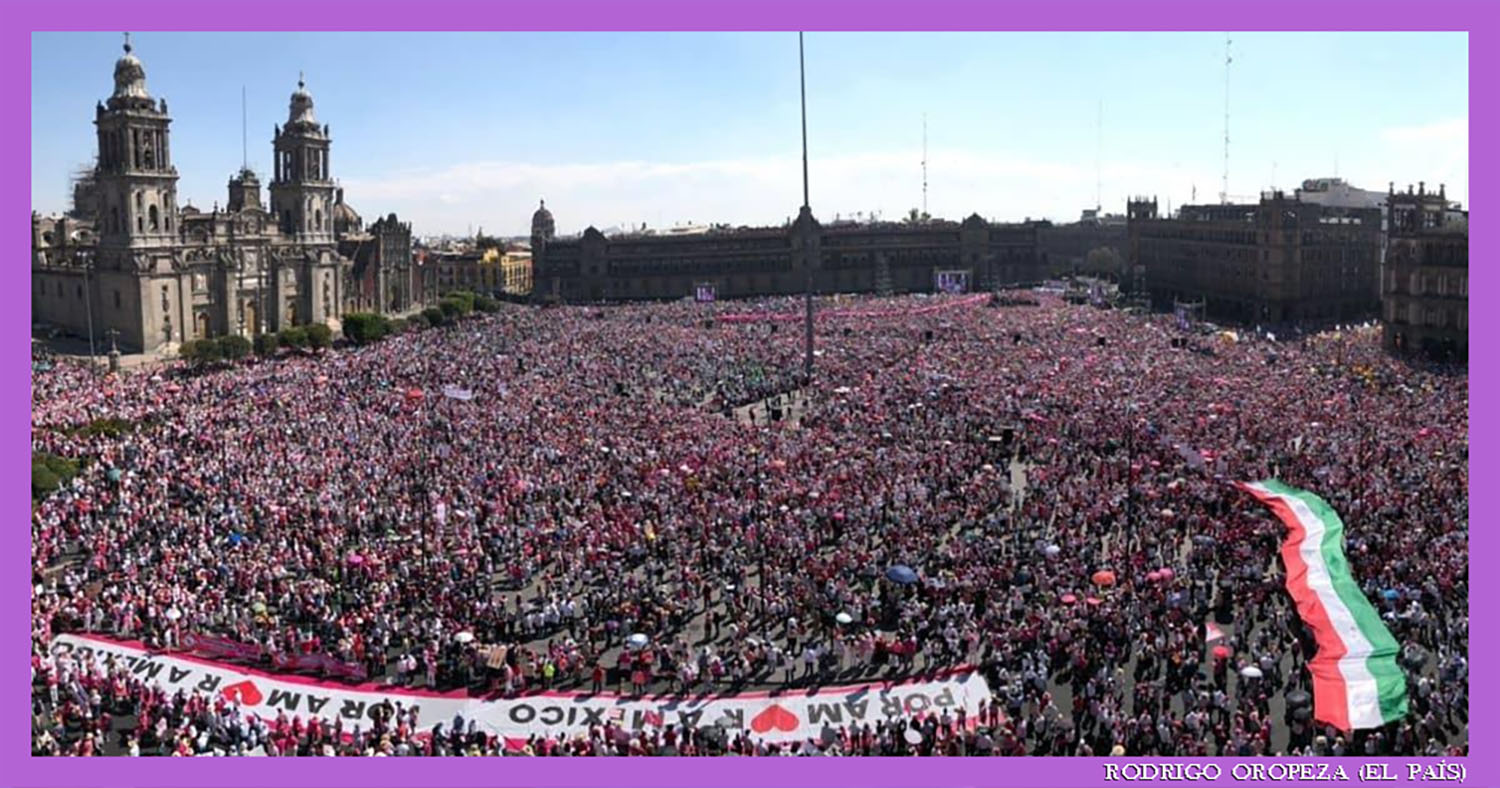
(844, 618)
(464, 637)
(1051, 550)
(638, 640)
(913, 736)
(1251, 672)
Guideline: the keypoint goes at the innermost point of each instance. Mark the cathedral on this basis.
(134, 265)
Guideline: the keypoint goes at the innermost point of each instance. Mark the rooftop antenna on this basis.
(924, 163)
(244, 133)
(1335, 165)
(1099, 162)
(1224, 194)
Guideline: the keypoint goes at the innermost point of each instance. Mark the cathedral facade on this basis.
(137, 267)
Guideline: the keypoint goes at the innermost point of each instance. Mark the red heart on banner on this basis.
(245, 692)
(774, 718)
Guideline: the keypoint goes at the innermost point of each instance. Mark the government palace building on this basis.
(841, 257)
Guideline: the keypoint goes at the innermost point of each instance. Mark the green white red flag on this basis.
(1357, 682)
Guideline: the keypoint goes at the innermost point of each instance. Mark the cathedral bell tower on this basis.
(137, 184)
(302, 189)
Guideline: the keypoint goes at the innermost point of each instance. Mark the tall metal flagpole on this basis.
(807, 361)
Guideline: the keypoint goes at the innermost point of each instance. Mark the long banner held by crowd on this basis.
(793, 716)
(1356, 680)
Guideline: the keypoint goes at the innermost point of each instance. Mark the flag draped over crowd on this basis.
(1357, 682)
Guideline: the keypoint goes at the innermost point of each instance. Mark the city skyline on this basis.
(698, 127)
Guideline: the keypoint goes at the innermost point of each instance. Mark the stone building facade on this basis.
(382, 275)
(139, 267)
(1092, 246)
(843, 257)
(1425, 285)
(1279, 262)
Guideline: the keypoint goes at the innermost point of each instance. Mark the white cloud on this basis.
(1437, 153)
(1454, 131)
(500, 196)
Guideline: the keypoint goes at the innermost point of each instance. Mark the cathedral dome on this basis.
(130, 75)
(302, 105)
(542, 225)
(345, 218)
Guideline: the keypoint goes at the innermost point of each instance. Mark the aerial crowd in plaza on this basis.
(643, 500)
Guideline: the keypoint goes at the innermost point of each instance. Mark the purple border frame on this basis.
(1474, 16)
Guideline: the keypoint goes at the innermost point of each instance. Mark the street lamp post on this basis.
(88, 300)
(114, 351)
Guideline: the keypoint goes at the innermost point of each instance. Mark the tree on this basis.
(294, 337)
(201, 352)
(457, 304)
(233, 347)
(319, 336)
(915, 216)
(266, 344)
(435, 316)
(417, 321)
(362, 328)
(399, 326)
(486, 304)
(108, 427)
(49, 472)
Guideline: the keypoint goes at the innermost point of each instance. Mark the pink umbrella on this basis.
(1104, 577)
(355, 559)
(1221, 652)
(1153, 576)
(1093, 600)
(1069, 599)
(1166, 573)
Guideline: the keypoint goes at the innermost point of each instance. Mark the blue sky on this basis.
(461, 130)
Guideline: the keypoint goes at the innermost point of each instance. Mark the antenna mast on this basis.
(244, 133)
(1224, 194)
(924, 163)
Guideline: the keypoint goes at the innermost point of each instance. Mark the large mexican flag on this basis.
(1356, 681)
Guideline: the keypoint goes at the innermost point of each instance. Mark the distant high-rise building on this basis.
(1425, 285)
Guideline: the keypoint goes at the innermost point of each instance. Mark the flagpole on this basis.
(807, 361)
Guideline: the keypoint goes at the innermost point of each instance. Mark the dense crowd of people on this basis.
(600, 484)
